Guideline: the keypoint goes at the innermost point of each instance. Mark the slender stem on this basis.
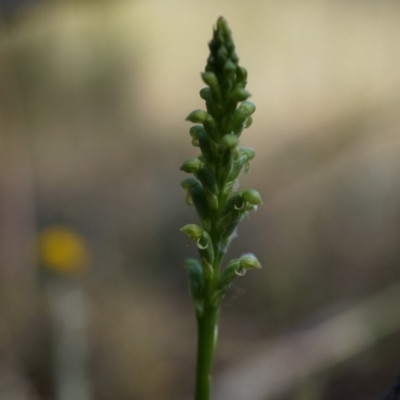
(207, 328)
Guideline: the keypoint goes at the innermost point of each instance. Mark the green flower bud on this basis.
(193, 231)
(195, 129)
(230, 185)
(229, 141)
(225, 172)
(206, 251)
(227, 154)
(233, 55)
(245, 155)
(196, 282)
(205, 93)
(236, 209)
(240, 94)
(203, 243)
(195, 142)
(248, 152)
(252, 197)
(230, 231)
(188, 183)
(197, 116)
(241, 114)
(230, 67)
(212, 199)
(192, 165)
(228, 274)
(210, 79)
(249, 261)
(243, 201)
(205, 146)
(247, 108)
(234, 203)
(237, 267)
(210, 126)
(197, 197)
(207, 178)
(222, 53)
(231, 216)
(193, 133)
(241, 74)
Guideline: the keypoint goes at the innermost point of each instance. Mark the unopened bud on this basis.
(197, 116)
(200, 201)
(249, 261)
(228, 274)
(240, 94)
(196, 282)
(205, 93)
(195, 194)
(195, 129)
(242, 113)
(207, 178)
(210, 125)
(189, 182)
(248, 152)
(193, 231)
(206, 251)
(230, 67)
(222, 52)
(210, 78)
(252, 197)
(229, 141)
(241, 74)
(192, 165)
(247, 107)
(205, 146)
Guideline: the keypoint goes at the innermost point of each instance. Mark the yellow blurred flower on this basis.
(63, 250)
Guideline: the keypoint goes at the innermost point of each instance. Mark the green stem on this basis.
(207, 327)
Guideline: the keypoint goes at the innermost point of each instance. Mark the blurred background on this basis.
(93, 295)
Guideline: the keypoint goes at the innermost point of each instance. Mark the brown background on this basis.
(93, 96)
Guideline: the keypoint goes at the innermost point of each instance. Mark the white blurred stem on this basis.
(68, 310)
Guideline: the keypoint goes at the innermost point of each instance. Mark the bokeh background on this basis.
(93, 96)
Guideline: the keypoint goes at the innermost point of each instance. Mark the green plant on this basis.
(213, 192)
